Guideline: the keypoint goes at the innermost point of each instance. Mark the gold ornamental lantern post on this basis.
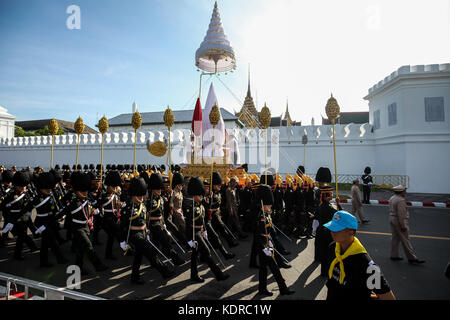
(169, 120)
(264, 118)
(79, 128)
(214, 118)
(136, 123)
(53, 128)
(332, 109)
(103, 126)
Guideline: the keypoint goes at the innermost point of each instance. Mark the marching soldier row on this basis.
(150, 215)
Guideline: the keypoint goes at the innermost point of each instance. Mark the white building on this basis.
(6, 124)
(410, 114)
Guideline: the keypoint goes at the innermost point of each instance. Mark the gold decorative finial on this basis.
(214, 115)
(79, 126)
(158, 149)
(169, 117)
(103, 125)
(332, 108)
(136, 121)
(53, 127)
(264, 116)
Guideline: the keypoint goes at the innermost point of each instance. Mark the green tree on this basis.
(19, 132)
(46, 132)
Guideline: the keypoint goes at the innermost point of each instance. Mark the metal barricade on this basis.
(50, 292)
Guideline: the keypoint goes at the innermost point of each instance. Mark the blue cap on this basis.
(342, 220)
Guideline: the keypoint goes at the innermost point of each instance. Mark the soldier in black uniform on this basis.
(245, 205)
(134, 232)
(158, 231)
(6, 188)
(213, 218)
(264, 245)
(289, 211)
(367, 184)
(16, 207)
(278, 206)
(111, 207)
(310, 201)
(195, 230)
(81, 223)
(324, 213)
(94, 196)
(46, 208)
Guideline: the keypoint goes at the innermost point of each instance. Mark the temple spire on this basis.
(248, 90)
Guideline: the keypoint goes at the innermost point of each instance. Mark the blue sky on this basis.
(144, 50)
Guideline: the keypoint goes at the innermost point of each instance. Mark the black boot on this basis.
(137, 280)
(286, 291)
(197, 278)
(265, 292)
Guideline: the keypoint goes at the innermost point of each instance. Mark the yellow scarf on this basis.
(355, 248)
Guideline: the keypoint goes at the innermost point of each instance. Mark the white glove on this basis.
(270, 244)
(205, 235)
(124, 245)
(315, 224)
(267, 252)
(370, 183)
(8, 227)
(192, 243)
(124, 205)
(40, 229)
(96, 212)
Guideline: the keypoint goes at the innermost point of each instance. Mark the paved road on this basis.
(407, 281)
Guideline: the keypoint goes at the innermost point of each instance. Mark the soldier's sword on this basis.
(214, 252)
(170, 261)
(170, 235)
(281, 232)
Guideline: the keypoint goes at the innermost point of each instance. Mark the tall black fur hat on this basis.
(156, 181)
(91, 166)
(300, 170)
(195, 187)
(7, 176)
(367, 170)
(138, 187)
(265, 194)
(46, 180)
(270, 182)
(80, 181)
(113, 179)
(21, 179)
(323, 175)
(57, 175)
(216, 178)
(177, 179)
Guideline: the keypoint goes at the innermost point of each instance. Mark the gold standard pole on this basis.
(136, 122)
(264, 118)
(78, 147)
(103, 126)
(79, 128)
(265, 157)
(304, 155)
(51, 158)
(335, 166)
(53, 129)
(332, 109)
(134, 153)
(101, 163)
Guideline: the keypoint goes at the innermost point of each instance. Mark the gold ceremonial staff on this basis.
(53, 128)
(169, 120)
(136, 123)
(103, 126)
(332, 110)
(264, 118)
(214, 118)
(79, 128)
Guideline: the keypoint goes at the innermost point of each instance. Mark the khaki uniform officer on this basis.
(398, 219)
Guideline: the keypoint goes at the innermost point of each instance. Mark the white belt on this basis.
(108, 210)
(79, 221)
(16, 210)
(43, 214)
